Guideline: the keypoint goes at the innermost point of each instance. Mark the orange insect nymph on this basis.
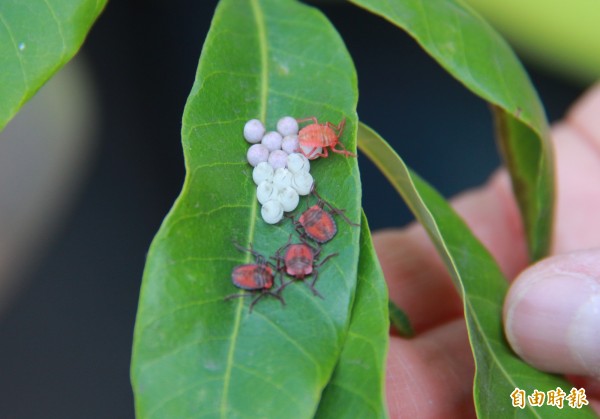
(326, 135)
(255, 277)
(300, 261)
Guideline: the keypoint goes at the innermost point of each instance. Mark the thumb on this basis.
(552, 314)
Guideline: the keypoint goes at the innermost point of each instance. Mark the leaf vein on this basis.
(166, 265)
(263, 377)
(16, 49)
(191, 128)
(175, 395)
(60, 29)
(310, 102)
(183, 218)
(305, 59)
(180, 349)
(215, 73)
(294, 342)
(170, 313)
(360, 395)
(219, 163)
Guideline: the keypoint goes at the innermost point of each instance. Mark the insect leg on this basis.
(298, 228)
(256, 300)
(324, 153)
(257, 255)
(276, 295)
(325, 260)
(343, 150)
(334, 209)
(277, 256)
(315, 276)
(339, 128)
(303, 153)
(310, 118)
(232, 296)
(341, 214)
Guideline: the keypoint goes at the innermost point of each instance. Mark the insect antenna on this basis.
(333, 209)
(260, 259)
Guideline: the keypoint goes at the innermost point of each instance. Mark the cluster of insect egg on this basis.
(281, 174)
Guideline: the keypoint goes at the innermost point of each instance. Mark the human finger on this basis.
(431, 376)
(552, 314)
(416, 277)
(578, 170)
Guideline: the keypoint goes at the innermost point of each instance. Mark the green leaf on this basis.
(471, 51)
(482, 285)
(399, 319)
(194, 353)
(37, 37)
(561, 36)
(356, 389)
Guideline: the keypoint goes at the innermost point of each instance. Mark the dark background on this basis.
(65, 341)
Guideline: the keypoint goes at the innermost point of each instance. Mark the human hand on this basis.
(552, 310)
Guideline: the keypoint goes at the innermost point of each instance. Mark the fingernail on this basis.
(553, 322)
(584, 335)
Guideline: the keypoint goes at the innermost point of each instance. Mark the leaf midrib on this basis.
(264, 88)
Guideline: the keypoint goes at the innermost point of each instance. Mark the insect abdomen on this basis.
(317, 136)
(252, 277)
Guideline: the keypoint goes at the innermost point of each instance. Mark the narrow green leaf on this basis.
(530, 164)
(483, 287)
(470, 50)
(37, 37)
(356, 389)
(399, 319)
(560, 36)
(194, 353)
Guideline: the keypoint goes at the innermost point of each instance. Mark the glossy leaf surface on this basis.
(483, 287)
(37, 37)
(356, 389)
(471, 51)
(194, 353)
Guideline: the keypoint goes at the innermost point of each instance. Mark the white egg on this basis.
(277, 159)
(296, 162)
(289, 144)
(272, 211)
(262, 171)
(282, 178)
(254, 131)
(289, 199)
(266, 191)
(272, 140)
(302, 182)
(256, 154)
(287, 126)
